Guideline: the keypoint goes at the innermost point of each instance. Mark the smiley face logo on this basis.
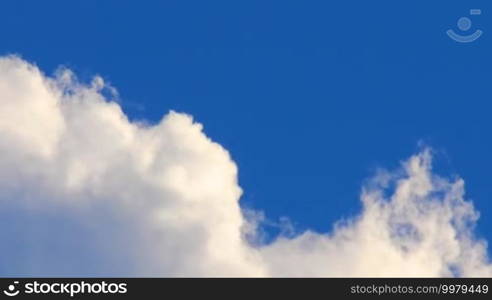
(464, 24)
(11, 291)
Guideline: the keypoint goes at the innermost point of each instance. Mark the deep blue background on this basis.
(308, 96)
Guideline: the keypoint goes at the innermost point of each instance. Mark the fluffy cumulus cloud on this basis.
(84, 191)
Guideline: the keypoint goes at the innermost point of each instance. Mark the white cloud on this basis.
(83, 191)
(424, 228)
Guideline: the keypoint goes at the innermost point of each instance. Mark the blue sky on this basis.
(309, 98)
